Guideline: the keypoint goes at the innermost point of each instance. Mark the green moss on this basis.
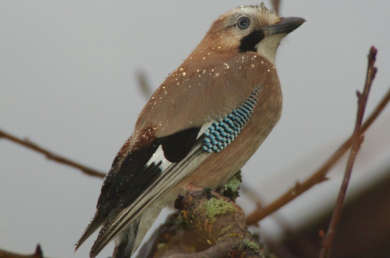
(179, 220)
(215, 207)
(161, 246)
(251, 245)
(232, 187)
(224, 230)
(233, 184)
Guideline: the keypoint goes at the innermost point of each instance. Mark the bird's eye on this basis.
(243, 22)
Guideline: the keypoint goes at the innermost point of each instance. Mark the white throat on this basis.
(267, 47)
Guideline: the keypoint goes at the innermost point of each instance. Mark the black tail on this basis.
(92, 226)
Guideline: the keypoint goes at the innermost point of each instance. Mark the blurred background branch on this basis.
(143, 84)
(37, 254)
(276, 6)
(51, 155)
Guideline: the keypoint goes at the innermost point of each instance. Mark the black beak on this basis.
(284, 26)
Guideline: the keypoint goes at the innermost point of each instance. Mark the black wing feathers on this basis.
(122, 187)
(178, 145)
(124, 184)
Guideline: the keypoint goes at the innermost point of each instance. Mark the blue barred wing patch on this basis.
(221, 133)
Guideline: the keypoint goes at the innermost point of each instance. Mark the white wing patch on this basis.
(203, 129)
(157, 157)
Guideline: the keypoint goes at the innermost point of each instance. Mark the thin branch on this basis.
(51, 155)
(252, 195)
(283, 224)
(357, 139)
(319, 175)
(145, 89)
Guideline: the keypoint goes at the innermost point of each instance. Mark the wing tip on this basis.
(80, 242)
(101, 241)
(91, 228)
(108, 231)
(97, 247)
(93, 253)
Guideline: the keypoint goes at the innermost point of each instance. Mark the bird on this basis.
(199, 128)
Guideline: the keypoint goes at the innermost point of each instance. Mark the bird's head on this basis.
(250, 28)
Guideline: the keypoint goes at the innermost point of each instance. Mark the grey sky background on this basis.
(67, 82)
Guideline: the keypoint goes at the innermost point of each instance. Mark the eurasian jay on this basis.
(199, 127)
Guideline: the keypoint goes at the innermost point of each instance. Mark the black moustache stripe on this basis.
(249, 42)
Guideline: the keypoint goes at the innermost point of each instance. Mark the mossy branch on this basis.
(206, 224)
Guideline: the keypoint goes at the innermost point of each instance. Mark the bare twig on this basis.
(319, 175)
(357, 139)
(50, 155)
(143, 84)
(276, 6)
(145, 89)
(37, 254)
(279, 250)
(252, 195)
